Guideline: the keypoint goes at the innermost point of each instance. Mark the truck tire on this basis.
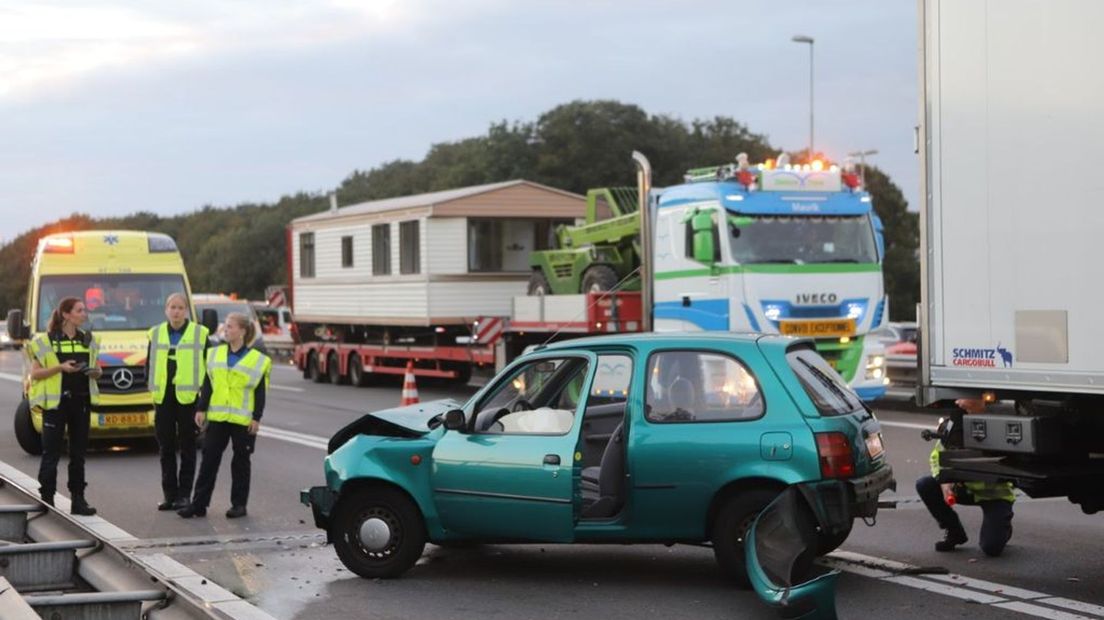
(378, 532)
(25, 434)
(730, 528)
(599, 279)
(313, 368)
(333, 369)
(538, 284)
(356, 372)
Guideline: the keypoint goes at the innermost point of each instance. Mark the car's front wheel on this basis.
(378, 532)
(730, 529)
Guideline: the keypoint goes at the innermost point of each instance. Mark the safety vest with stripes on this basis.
(46, 393)
(232, 386)
(188, 355)
(981, 491)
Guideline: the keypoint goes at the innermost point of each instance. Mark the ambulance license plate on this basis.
(122, 419)
(818, 329)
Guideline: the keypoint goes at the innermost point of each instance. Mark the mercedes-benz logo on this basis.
(122, 378)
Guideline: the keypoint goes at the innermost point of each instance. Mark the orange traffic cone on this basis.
(410, 389)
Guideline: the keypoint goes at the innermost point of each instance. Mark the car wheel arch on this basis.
(358, 485)
(737, 487)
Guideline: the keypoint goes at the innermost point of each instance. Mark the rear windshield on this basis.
(828, 391)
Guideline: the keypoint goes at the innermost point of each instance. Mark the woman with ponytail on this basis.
(63, 387)
(231, 404)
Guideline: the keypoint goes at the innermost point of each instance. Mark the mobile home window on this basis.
(346, 251)
(381, 249)
(409, 248)
(306, 255)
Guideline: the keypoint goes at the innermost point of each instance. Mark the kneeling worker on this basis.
(995, 499)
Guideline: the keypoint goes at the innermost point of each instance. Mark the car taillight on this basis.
(836, 458)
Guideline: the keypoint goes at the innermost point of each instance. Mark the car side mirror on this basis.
(209, 319)
(454, 420)
(16, 328)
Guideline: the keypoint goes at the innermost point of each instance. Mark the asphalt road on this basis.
(277, 560)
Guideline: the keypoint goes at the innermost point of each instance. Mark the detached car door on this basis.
(511, 473)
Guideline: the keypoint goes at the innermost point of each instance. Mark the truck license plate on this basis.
(122, 419)
(818, 329)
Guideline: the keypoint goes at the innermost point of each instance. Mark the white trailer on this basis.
(1011, 224)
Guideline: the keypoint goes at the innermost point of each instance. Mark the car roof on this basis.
(672, 339)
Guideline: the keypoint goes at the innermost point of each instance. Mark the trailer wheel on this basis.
(25, 434)
(356, 371)
(538, 284)
(599, 279)
(333, 369)
(314, 370)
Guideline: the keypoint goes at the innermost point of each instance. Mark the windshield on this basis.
(114, 302)
(802, 240)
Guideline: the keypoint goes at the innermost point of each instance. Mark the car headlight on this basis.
(772, 312)
(855, 310)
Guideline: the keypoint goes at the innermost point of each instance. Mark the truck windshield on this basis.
(802, 240)
(114, 301)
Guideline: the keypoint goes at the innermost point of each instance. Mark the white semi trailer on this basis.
(1012, 239)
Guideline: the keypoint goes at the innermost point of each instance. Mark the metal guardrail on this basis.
(902, 370)
(57, 566)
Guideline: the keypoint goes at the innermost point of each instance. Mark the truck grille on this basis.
(122, 380)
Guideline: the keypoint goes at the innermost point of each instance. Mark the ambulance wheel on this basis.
(25, 434)
(333, 369)
(378, 532)
(599, 279)
(538, 284)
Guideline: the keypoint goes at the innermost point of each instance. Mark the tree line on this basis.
(574, 146)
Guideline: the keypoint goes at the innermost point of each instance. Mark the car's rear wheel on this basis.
(829, 543)
(378, 532)
(730, 530)
(25, 434)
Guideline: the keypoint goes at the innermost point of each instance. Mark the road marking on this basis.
(16, 378)
(969, 589)
(310, 441)
(285, 388)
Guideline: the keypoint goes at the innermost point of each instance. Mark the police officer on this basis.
(176, 365)
(63, 387)
(995, 500)
(231, 404)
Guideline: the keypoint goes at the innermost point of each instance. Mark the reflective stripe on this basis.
(187, 378)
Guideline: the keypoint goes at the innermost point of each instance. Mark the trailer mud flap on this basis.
(781, 551)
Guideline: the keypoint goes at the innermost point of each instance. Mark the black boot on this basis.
(79, 506)
(952, 538)
(191, 510)
(47, 498)
(168, 504)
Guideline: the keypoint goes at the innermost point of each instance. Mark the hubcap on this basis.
(375, 534)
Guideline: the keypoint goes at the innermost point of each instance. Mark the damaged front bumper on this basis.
(321, 501)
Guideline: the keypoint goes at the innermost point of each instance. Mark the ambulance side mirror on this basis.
(17, 329)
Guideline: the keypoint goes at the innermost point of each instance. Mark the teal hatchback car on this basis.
(649, 438)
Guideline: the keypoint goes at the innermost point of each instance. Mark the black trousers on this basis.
(214, 444)
(176, 432)
(996, 523)
(72, 413)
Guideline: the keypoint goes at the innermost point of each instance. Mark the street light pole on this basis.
(862, 162)
(807, 39)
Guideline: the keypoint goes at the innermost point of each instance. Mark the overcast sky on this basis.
(113, 107)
